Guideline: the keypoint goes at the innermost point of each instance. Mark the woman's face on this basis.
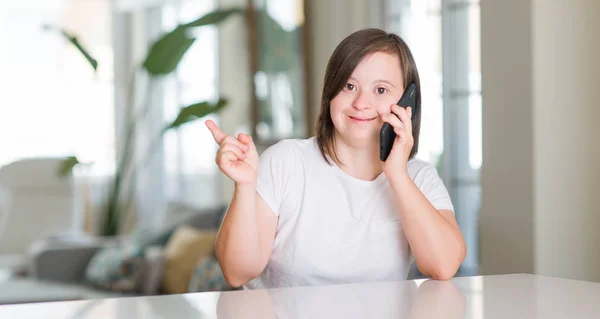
(375, 84)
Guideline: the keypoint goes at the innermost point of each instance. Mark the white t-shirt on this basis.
(334, 228)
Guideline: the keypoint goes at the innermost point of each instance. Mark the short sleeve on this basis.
(274, 172)
(432, 186)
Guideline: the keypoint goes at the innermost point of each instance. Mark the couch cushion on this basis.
(118, 268)
(184, 250)
(26, 290)
(29, 290)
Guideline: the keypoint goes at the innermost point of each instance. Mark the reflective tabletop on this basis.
(502, 296)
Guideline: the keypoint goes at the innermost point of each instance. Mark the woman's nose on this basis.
(362, 101)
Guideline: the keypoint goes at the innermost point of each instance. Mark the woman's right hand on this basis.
(237, 157)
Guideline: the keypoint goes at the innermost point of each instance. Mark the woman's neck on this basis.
(359, 160)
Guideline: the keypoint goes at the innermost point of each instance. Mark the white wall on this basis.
(540, 173)
(566, 48)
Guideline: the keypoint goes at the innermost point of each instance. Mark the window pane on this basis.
(280, 78)
(475, 148)
(419, 24)
(189, 151)
(52, 103)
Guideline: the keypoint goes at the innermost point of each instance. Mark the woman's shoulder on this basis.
(425, 175)
(419, 169)
(287, 157)
(289, 147)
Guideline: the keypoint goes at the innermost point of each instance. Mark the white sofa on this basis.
(34, 203)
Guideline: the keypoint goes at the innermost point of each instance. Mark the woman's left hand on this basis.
(400, 119)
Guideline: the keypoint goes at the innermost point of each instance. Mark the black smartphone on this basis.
(387, 134)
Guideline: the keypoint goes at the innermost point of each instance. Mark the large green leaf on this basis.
(66, 166)
(214, 17)
(166, 53)
(196, 111)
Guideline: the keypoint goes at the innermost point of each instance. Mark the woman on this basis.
(326, 210)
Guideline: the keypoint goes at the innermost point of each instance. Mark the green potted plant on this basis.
(163, 58)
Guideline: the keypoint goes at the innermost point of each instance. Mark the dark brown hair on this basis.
(346, 56)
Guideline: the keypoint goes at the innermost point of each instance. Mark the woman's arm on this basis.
(436, 241)
(434, 237)
(246, 237)
(245, 240)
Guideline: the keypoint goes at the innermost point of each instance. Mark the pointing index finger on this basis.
(217, 134)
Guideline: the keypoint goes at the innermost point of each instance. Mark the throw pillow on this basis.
(183, 251)
(118, 268)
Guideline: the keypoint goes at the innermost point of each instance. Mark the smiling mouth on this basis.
(362, 119)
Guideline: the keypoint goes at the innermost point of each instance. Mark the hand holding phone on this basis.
(387, 134)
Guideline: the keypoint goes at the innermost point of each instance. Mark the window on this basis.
(279, 77)
(419, 24)
(52, 103)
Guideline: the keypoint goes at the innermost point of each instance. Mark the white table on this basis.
(505, 296)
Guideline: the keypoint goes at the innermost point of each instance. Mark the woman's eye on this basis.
(349, 86)
(381, 90)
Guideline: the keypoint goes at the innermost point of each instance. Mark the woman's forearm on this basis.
(436, 243)
(238, 246)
